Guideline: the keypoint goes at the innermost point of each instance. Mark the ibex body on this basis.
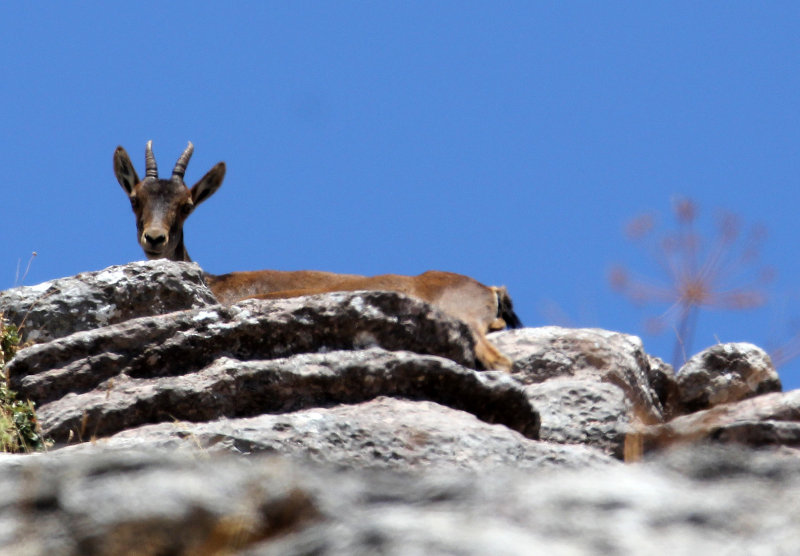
(162, 206)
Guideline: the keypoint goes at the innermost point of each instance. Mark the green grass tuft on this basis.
(19, 429)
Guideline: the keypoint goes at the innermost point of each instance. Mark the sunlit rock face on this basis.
(92, 300)
(356, 423)
(726, 373)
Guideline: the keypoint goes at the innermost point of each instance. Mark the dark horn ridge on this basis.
(183, 161)
(151, 170)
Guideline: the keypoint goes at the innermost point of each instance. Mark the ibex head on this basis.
(162, 206)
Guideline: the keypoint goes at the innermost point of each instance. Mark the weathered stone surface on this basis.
(704, 502)
(147, 505)
(583, 412)
(385, 433)
(541, 354)
(391, 444)
(187, 341)
(726, 373)
(94, 299)
(233, 388)
(717, 462)
(661, 376)
(770, 419)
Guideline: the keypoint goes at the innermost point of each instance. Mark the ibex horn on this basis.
(150, 161)
(180, 166)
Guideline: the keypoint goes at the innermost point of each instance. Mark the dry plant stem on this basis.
(685, 333)
(17, 280)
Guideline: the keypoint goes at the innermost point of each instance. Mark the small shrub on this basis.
(9, 340)
(19, 429)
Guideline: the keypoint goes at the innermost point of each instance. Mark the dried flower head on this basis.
(720, 272)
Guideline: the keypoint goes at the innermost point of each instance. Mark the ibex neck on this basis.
(180, 253)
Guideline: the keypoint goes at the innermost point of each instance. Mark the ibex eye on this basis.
(134, 203)
(186, 209)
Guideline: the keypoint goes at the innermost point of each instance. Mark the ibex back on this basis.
(162, 206)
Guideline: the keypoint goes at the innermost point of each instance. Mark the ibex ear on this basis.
(208, 184)
(124, 170)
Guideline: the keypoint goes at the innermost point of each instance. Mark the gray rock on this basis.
(770, 419)
(187, 341)
(726, 373)
(586, 412)
(147, 505)
(661, 376)
(589, 385)
(136, 503)
(387, 433)
(382, 451)
(719, 462)
(541, 354)
(94, 299)
(233, 388)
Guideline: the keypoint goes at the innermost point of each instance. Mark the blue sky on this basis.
(510, 141)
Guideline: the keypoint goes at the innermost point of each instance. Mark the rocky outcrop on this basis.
(147, 503)
(661, 377)
(187, 341)
(145, 343)
(589, 385)
(542, 354)
(771, 419)
(583, 412)
(136, 361)
(725, 373)
(92, 300)
(232, 388)
(382, 433)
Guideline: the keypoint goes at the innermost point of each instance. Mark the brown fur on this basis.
(457, 295)
(162, 206)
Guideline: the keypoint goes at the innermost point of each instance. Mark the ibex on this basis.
(162, 206)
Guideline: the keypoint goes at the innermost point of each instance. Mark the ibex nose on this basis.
(154, 239)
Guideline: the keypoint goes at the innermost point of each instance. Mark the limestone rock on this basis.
(770, 419)
(388, 433)
(233, 388)
(661, 377)
(704, 502)
(541, 354)
(94, 299)
(374, 381)
(147, 504)
(726, 373)
(187, 341)
(585, 412)
(589, 385)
